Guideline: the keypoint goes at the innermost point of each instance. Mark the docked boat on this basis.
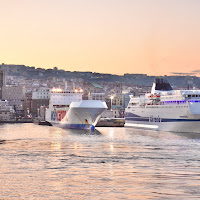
(68, 110)
(165, 109)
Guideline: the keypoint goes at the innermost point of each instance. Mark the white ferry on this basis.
(68, 110)
(165, 109)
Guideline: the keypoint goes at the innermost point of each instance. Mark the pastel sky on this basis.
(156, 37)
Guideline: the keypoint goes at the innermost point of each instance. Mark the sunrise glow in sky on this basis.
(156, 37)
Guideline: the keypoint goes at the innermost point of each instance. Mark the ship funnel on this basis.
(160, 84)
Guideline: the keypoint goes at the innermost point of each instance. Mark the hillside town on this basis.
(25, 91)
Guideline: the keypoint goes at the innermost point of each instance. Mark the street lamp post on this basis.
(111, 98)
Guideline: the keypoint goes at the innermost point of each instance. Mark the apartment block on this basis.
(15, 95)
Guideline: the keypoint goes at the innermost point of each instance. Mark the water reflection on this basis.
(52, 163)
(56, 145)
(111, 133)
(84, 132)
(189, 135)
(111, 147)
(56, 134)
(59, 136)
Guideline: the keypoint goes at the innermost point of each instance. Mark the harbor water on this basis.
(41, 162)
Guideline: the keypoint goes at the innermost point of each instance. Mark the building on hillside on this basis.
(90, 87)
(118, 101)
(115, 104)
(97, 96)
(15, 95)
(2, 81)
(40, 97)
(41, 113)
(28, 105)
(41, 93)
(118, 87)
(7, 112)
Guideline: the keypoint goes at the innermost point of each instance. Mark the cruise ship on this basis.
(68, 110)
(165, 109)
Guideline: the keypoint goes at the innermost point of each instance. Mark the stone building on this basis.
(7, 112)
(90, 87)
(28, 104)
(15, 95)
(2, 81)
(97, 96)
(40, 97)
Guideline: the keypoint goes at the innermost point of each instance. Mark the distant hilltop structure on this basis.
(28, 72)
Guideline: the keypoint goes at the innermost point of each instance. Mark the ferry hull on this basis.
(169, 125)
(74, 126)
(80, 115)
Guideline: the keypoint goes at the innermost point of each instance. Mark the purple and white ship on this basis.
(165, 109)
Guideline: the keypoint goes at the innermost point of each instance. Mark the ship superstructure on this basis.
(68, 110)
(168, 109)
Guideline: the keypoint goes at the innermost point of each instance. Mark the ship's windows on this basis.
(193, 95)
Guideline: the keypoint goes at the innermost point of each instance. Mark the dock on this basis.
(111, 122)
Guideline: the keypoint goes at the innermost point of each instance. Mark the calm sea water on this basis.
(39, 162)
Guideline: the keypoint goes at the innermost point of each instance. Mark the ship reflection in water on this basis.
(39, 162)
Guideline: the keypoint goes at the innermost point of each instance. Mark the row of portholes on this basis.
(166, 107)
